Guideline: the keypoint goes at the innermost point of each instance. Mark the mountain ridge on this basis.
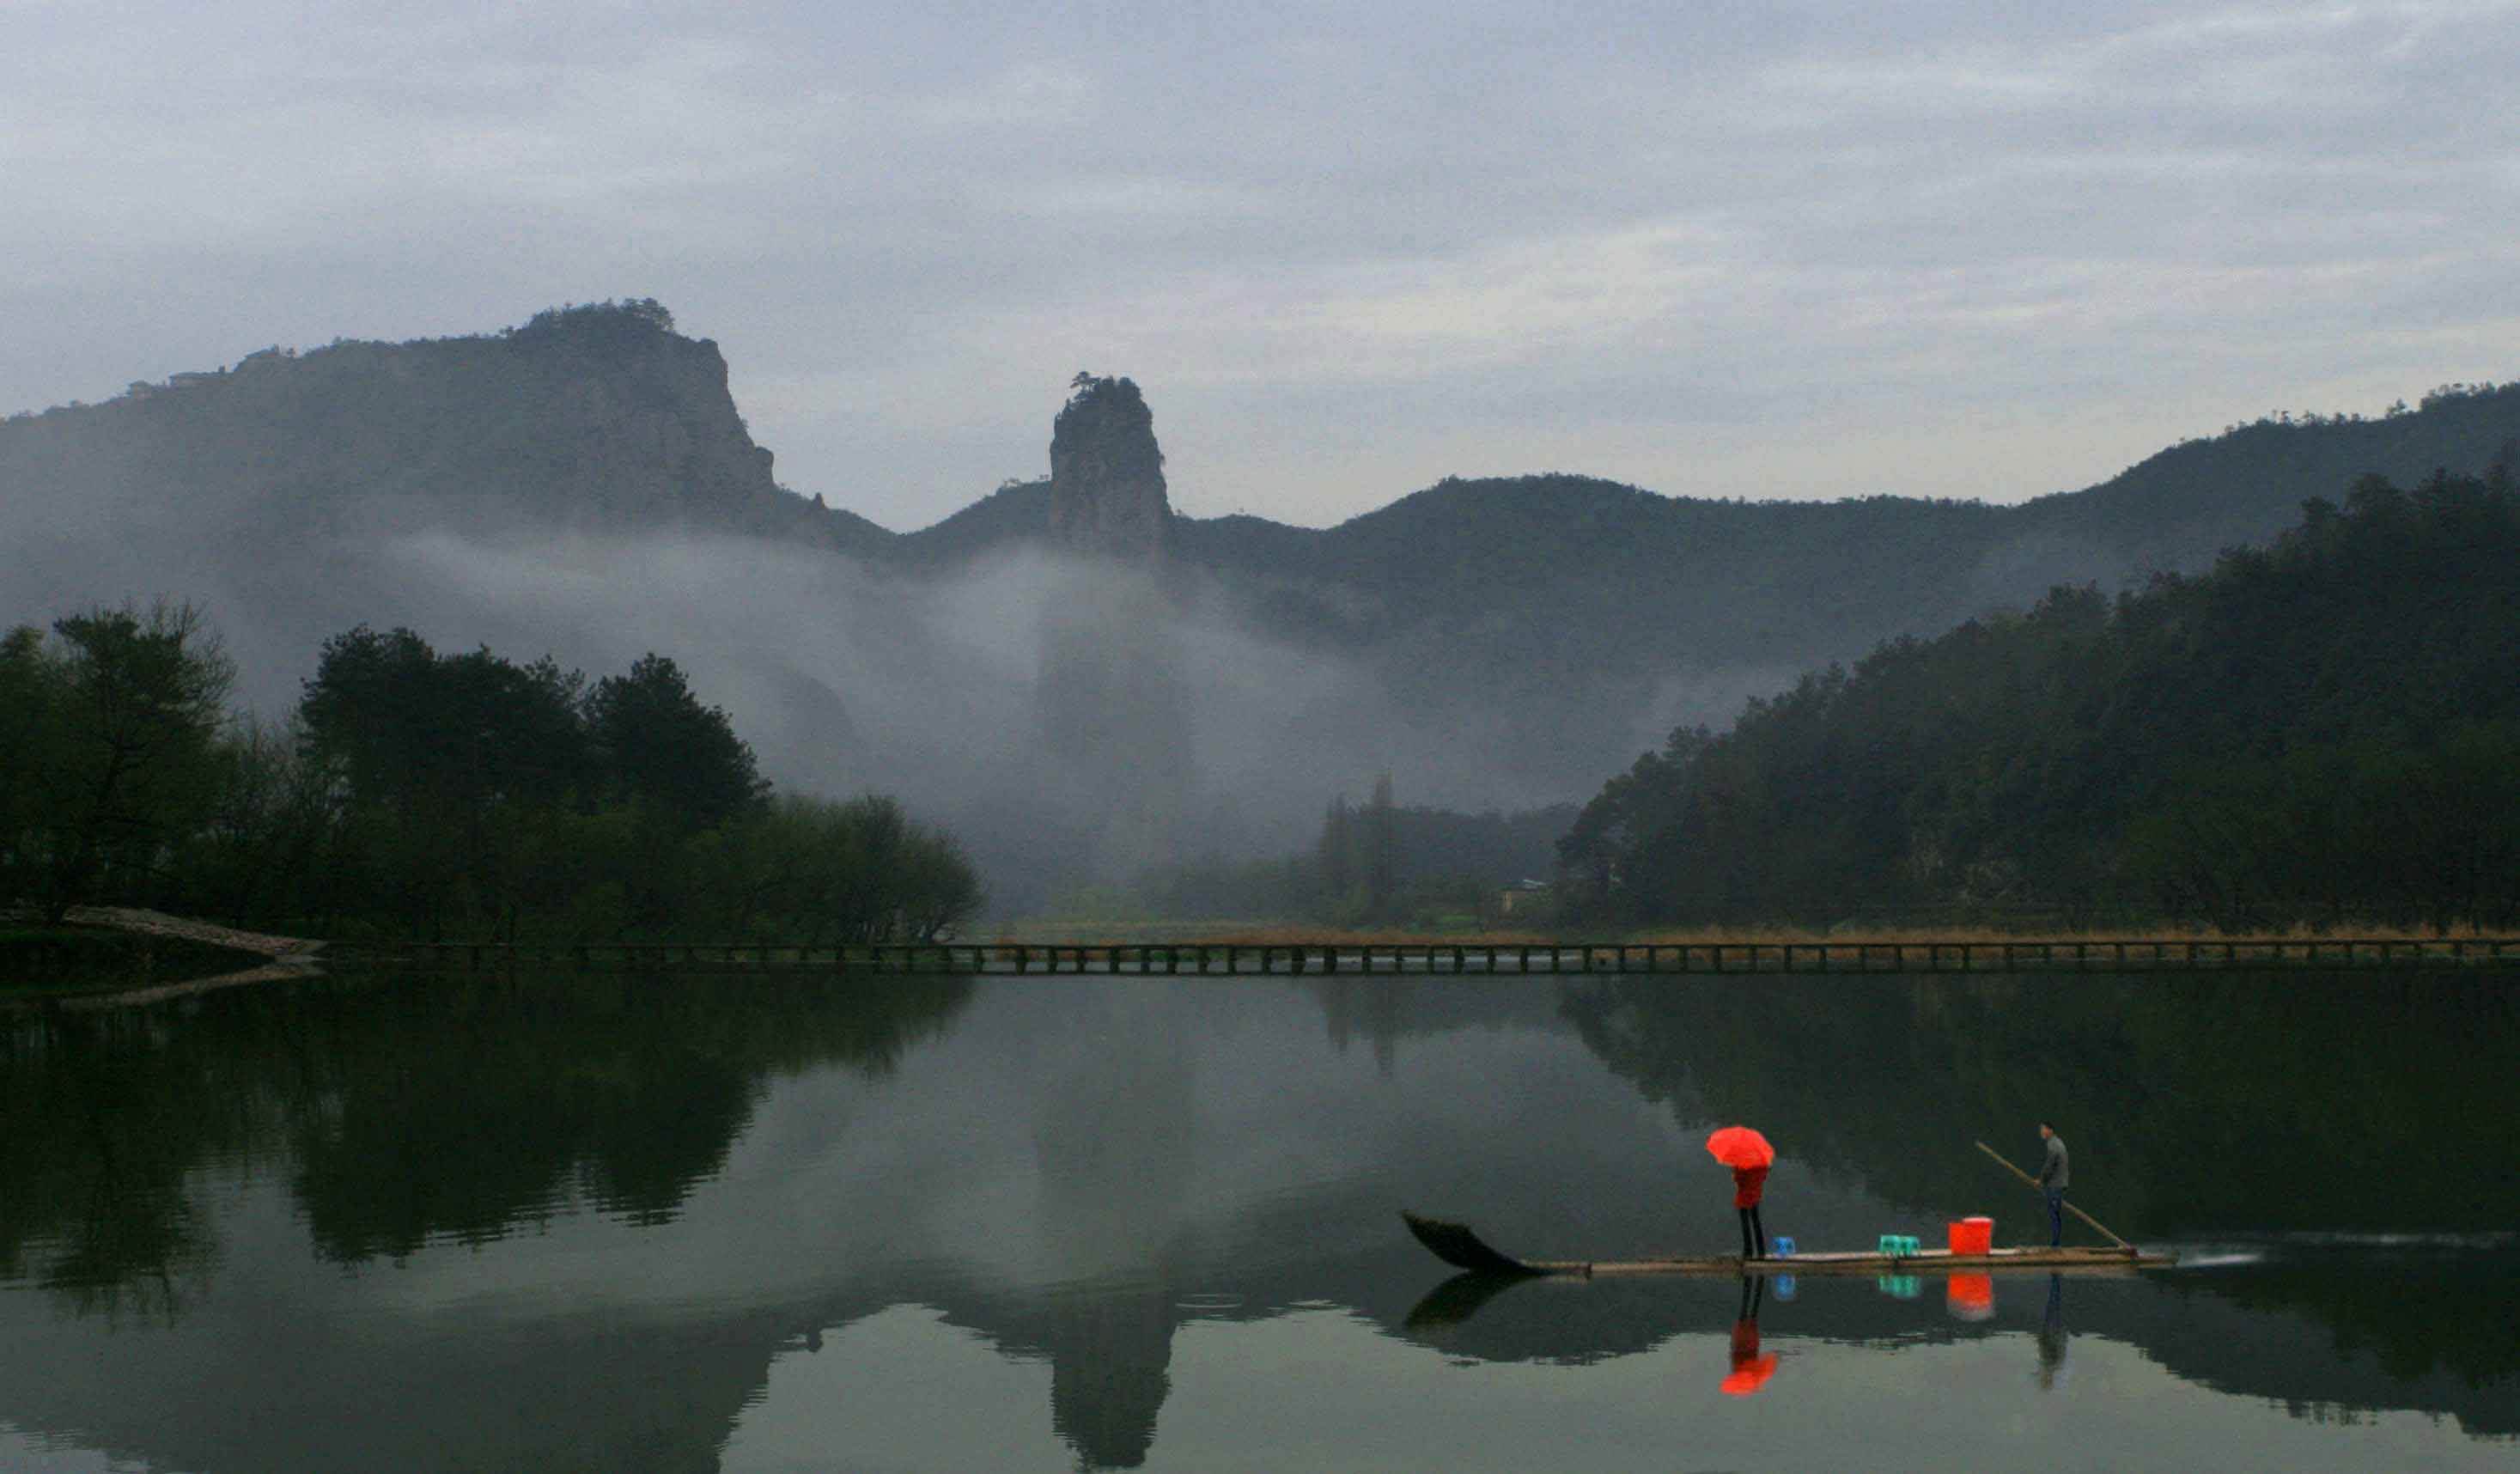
(636, 374)
(1534, 631)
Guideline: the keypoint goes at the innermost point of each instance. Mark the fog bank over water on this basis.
(846, 677)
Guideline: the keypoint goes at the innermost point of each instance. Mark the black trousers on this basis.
(1754, 1234)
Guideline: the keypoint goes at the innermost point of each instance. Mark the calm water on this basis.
(446, 1224)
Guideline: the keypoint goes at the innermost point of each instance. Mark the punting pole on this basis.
(2069, 1204)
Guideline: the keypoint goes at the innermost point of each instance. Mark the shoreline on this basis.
(109, 956)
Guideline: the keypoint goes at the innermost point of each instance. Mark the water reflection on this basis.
(643, 1199)
(2051, 1335)
(2197, 1104)
(406, 1112)
(1750, 1370)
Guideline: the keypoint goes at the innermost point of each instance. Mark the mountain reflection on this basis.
(724, 1171)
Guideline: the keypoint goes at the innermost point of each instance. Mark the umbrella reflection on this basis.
(1750, 1370)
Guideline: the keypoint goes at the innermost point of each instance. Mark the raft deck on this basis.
(1456, 1245)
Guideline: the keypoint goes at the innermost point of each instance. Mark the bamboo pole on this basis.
(2069, 1207)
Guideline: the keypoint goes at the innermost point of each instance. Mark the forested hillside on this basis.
(2321, 732)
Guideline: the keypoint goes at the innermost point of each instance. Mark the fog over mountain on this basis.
(1074, 676)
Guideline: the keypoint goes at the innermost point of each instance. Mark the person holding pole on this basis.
(2053, 1176)
(2054, 1191)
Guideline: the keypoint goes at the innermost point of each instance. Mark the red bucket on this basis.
(1972, 1236)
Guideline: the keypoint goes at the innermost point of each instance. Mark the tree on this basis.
(276, 803)
(30, 687)
(1381, 850)
(660, 747)
(129, 763)
(1335, 850)
(453, 766)
(939, 888)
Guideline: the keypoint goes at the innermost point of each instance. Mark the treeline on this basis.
(2319, 733)
(1375, 862)
(428, 795)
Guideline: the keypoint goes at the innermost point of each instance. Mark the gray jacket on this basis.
(2053, 1174)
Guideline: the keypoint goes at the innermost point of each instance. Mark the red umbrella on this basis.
(1741, 1146)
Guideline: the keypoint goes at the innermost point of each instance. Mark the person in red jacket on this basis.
(1748, 1182)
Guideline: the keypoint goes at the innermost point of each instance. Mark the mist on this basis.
(847, 678)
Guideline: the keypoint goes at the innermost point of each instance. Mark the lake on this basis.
(763, 1222)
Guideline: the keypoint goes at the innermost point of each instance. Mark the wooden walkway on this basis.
(1443, 960)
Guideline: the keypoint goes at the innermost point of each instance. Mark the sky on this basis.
(1988, 249)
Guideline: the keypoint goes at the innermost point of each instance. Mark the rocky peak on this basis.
(1106, 475)
(600, 416)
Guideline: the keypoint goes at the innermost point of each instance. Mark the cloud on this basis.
(907, 226)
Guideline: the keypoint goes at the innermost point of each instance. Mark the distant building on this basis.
(1521, 895)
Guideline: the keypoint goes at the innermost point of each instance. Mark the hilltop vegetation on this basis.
(2320, 731)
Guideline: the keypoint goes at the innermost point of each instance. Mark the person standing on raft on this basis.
(2053, 1176)
(1748, 1183)
(1749, 1156)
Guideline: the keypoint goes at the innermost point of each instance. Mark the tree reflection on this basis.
(412, 1110)
(101, 1142)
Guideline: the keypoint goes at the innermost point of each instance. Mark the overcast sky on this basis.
(1804, 251)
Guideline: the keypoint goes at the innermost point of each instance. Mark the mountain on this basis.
(593, 418)
(1489, 640)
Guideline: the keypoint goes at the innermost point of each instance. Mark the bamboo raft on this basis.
(1457, 1245)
